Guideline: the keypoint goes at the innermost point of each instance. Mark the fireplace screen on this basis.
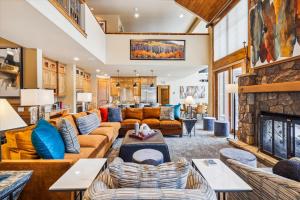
(280, 135)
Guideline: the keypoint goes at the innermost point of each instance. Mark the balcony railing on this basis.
(72, 10)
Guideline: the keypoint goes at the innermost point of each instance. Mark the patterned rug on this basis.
(203, 145)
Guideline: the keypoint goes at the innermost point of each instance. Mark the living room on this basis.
(140, 99)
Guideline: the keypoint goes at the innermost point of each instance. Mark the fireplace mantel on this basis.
(273, 87)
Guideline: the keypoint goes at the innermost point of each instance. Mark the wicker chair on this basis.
(196, 188)
(266, 186)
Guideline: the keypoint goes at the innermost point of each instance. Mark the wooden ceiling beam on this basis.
(193, 25)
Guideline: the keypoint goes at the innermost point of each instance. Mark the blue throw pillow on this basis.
(69, 137)
(47, 141)
(176, 110)
(88, 123)
(114, 115)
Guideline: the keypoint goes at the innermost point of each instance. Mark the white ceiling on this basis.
(155, 15)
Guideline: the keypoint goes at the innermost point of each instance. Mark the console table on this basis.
(79, 177)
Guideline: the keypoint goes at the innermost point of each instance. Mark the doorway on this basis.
(163, 94)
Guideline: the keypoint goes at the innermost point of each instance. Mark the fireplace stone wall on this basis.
(251, 104)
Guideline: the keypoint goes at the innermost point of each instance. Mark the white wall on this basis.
(118, 50)
(175, 83)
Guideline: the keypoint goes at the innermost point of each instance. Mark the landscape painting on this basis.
(274, 31)
(10, 72)
(157, 49)
(197, 92)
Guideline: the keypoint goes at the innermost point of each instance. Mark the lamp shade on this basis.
(9, 118)
(232, 88)
(189, 100)
(84, 97)
(37, 97)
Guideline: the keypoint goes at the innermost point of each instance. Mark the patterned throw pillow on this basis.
(88, 123)
(69, 137)
(114, 115)
(166, 175)
(167, 113)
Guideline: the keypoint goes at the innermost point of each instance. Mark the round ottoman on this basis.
(208, 123)
(148, 156)
(221, 128)
(242, 156)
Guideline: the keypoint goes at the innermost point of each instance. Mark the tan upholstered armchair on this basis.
(196, 188)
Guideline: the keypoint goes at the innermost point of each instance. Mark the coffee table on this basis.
(131, 145)
(80, 176)
(220, 177)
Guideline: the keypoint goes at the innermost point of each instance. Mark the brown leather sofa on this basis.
(46, 172)
(149, 116)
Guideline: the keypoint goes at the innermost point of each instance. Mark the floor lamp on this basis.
(233, 89)
(9, 119)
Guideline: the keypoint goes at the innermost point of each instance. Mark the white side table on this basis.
(80, 176)
(220, 177)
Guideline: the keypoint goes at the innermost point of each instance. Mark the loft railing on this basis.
(72, 10)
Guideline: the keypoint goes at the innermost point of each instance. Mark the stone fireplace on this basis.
(279, 100)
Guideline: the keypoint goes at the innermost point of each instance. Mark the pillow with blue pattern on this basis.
(88, 123)
(114, 115)
(69, 137)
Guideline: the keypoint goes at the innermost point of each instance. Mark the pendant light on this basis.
(135, 84)
(152, 84)
(118, 83)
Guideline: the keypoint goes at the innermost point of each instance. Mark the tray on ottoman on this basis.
(131, 145)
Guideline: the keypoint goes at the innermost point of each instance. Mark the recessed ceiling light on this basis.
(181, 15)
(76, 58)
(91, 9)
(98, 70)
(136, 15)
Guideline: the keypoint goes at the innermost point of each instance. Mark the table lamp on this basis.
(9, 119)
(233, 89)
(189, 101)
(84, 97)
(37, 97)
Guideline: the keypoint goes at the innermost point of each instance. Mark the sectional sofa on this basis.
(17, 154)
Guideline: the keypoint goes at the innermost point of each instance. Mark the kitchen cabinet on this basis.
(103, 91)
(61, 89)
(50, 74)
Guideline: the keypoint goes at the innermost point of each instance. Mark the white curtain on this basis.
(231, 31)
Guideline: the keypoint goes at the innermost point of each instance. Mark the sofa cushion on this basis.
(149, 113)
(166, 175)
(129, 123)
(105, 131)
(88, 123)
(176, 110)
(134, 113)
(17, 154)
(77, 115)
(104, 114)
(115, 125)
(47, 141)
(288, 168)
(85, 152)
(69, 136)
(166, 113)
(71, 120)
(170, 124)
(152, 123)
(114, 115)
(94, 141)
(96, 111)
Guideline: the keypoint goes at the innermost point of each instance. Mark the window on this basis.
(223, 98)
(231, 31)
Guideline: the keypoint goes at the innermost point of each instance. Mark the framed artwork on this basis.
(157, 49)
(11, 72)
(197, 92)
(102, 24)
(274, 31)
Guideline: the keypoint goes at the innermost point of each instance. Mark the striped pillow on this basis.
(69, 137)
(166, 175)
(88, 123)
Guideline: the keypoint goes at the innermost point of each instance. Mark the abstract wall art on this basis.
(197, 92)
(274, 31)
(157, 50)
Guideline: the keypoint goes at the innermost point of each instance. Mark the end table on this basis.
(189, 125)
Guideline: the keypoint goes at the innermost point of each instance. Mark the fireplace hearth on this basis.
(279, 135)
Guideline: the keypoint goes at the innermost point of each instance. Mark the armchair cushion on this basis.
(166, 175)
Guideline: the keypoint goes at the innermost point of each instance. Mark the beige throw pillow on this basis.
(167, 113)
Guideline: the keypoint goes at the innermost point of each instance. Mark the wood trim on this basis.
(66, 15)
(277, 62)
(273, 87)
(141, 33)
(193, 25)
(229, 59)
